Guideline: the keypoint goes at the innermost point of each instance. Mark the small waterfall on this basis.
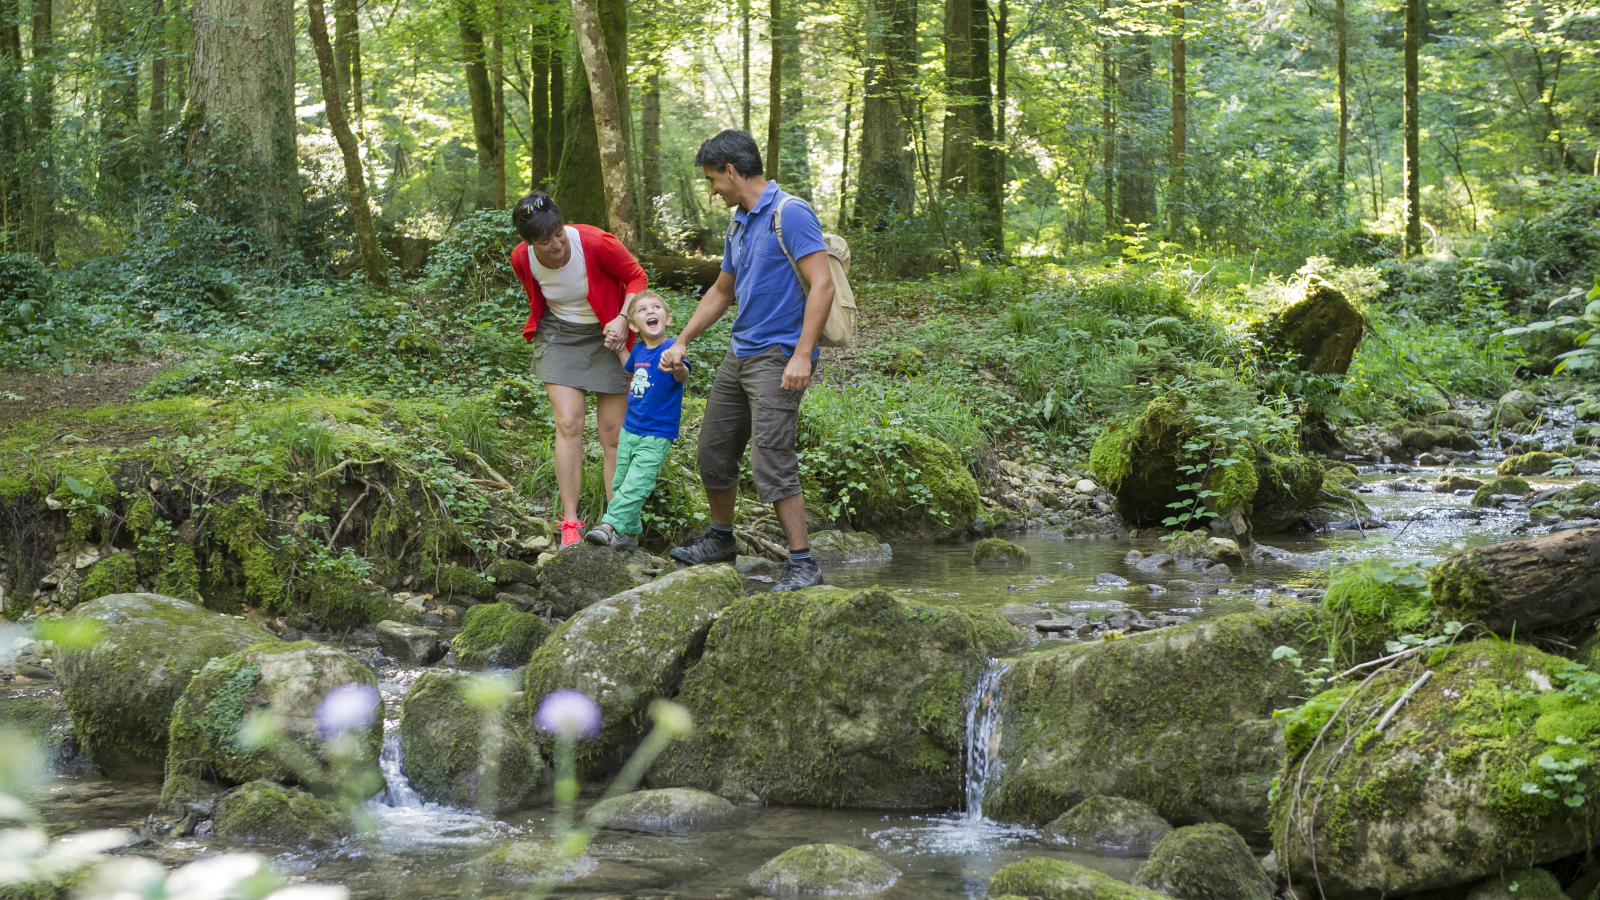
(983, 736)
(400, 795)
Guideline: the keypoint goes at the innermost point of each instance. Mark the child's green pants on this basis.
(639, 460)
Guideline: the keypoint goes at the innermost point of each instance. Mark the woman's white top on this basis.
(566, 290)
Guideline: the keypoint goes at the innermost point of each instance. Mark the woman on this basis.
(580, 282)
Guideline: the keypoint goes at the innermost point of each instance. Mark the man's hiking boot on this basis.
(710, 547)
(571, 533)
(798, 574)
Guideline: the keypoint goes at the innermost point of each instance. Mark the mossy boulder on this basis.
(1110, 825)
(1337, 503)
(1286, 486)
(1422, 439)
(581, 575)
(1452, 789)
(1370, 604)
(273, 813)
(457, 581)
(834, 547)
(628, 650)
(289, 681)
(1204, 862)
(997, 553)
(446, 741)
(498, 634)
(1449, 484)
(887, 507)
(336, 598)
(1514, 408)
(121, 690)
(1043, 878)
(833, 869)
(115, 574)
(1536, 463)
(533, 862)
(511, 571)
(1179, 719)
(833, 697)
(41, 717)
(1523, 884)
(1484, 496)
(1315, 326)
(666, 809)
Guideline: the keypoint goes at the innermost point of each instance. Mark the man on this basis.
(756, 394)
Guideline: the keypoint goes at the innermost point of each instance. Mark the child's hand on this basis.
(616, 332)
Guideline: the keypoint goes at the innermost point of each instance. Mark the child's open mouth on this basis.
(652, 321)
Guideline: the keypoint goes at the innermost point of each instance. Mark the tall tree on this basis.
(580, 186)
(957, 162)
(844, 156)
(239, 121)
(1180, 125)
(1413, 160)
(886, 183)
(538, 108)
(347, 55)
(1136, 182)
(372, 258)
(988, 156)
(497, 77)
(1108, 124)
(481, 98)
(775, 93)
(158, 68)
(121, 141)
(40, 191)
(650, 139)
(13, 115)
(1341, 27)
(795, 146)
(606, 99)
(744, 60)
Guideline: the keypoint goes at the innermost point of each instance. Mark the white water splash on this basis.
(983, 737)
(405, 820)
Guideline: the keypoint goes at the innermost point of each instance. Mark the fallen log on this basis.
(681, 271)
(1522, 585)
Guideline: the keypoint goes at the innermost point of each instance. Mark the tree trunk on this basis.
(481, 99)
(775, 93)
(372, 258)
(121, 144)
(1413, 161)
(650, 140)
(1342, 39)
(1108, 125)
(1180, 125)
(682, 271)
(346, 46)
(1525, 585)
(957, 163)
(39, 193)
(580, 185)
(241, 101)
(1136, 181)
(795, 147)
(158, 69)
(497, 77)
(844, 154)
(989, 160)
(606, 98)
(1001, 53)
(538, 109)
(558, 104)
(13, 115)
(744, 59)
(887, 180)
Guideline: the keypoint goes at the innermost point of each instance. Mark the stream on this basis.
(423, 850)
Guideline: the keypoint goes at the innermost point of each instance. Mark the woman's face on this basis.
(552, 248)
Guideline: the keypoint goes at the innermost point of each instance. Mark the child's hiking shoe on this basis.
(601, 536)
(571, 533)
(798, 574)
(710, 547)
(606, 536)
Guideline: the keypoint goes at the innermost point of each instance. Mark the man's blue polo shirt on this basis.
(772, 305)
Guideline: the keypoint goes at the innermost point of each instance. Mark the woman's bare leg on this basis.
(609, 412)
(566, 407)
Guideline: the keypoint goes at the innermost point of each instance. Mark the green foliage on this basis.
(31, 322)
(474, 257)
(1587, 354)
(1375, 602)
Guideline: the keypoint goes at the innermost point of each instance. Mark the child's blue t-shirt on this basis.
(655, 398)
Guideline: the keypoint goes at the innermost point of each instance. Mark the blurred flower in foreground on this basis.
(227, 876)
(348, 707)
(672, 718)
(569, 715)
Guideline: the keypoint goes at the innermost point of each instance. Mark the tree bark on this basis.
(744, 59)
(240, 120)
(1342, 40)
(1136, 181)
(1413, 159)
(988, 157)
(580, 184)
(158, 69)
(1525, 585)
(844, 154)
(39, 193)
(1001, 52)
(957, 164)
(347, 52)
(372, 258)
(887, 176)
(775, 93)
(608, 121)
(1108, 125)
(650, 140)
(122, 149)
(1180, 124)
(497, 78)
(558, 104)
(481, 99)
(682, 271)
(796, 149)
(538, 109)
(13, 115)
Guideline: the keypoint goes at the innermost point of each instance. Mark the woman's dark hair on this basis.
(536, 217)
(727, 147)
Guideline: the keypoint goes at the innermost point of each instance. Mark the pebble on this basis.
(1085, 486)
(1219, 573)
(1155, 589)
(1155, 563)
(1107, 578)
(1133, 557)
(1264, 584)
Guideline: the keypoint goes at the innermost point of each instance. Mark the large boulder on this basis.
(1043, 878)
(666, 809)
(1316, 326)
(833, 547)
(998, 553)
(287, 681)
(580, 575)
(1505, 485)
(1178, 719)
(533, 862)
(832, 869)
(497, 634)
(448, 738)
(942, 507)
(1535, 463)
(1110, 825)
(833, 697)
(40, 716)
(121, 690)
(279, 814)
(1204, 862)
(1462, 783)
(628, 650)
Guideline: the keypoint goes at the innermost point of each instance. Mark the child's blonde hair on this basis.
(648, 294)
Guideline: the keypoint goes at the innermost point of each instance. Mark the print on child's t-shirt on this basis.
(640, 383)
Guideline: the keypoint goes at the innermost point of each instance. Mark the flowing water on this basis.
(423, 850)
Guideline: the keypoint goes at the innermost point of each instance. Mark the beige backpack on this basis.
(840, 328)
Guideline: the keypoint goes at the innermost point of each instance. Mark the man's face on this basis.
(724, 183)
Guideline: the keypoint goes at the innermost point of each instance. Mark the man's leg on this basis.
(775, 465)
(724, 432)
(792, 516)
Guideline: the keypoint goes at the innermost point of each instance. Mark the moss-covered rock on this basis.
(1514, 408)
(1452, 789)
(511, 571)
(40, 716)
(497, 634)
(1204, 862)
(887, 509)
(411, 645)
(666, 809)
(1178, 719)
(1286, 487)
(445, 738)
(834, 547)
(1337, 503)
(121, 690)
(1523, 884)
(580, 575)
(1043, 878)
(1423, 439)
(533, 862)
(628, 650)
(832, 869)
(287, 680)
(1449, 484)
(336, 598)
(456, 581)
(998, 553)
(1316, 326)
(1110, 825)
(1484, 496)
(115, 574)
(277, 814)
(1536, 463)
(1369, 604)
(833, 697)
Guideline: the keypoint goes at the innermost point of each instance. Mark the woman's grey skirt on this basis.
(575, 355)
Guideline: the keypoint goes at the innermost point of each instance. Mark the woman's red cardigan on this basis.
(612, 270)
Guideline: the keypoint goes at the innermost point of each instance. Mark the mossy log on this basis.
(1523, 585)
(682, 271)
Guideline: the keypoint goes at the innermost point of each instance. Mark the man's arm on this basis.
(819, 302)
(716, 301)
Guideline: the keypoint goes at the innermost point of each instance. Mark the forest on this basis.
(1207, 503)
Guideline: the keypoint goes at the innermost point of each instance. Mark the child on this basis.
(655, 408)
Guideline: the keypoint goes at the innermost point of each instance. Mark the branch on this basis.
(349, 462)
(1403, 698)
(490, 469)
(347, 514)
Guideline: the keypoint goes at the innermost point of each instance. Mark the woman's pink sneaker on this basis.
(571, 533)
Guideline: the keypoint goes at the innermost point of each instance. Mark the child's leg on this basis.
(632, 488)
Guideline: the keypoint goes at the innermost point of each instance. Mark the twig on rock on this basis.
(1403, 698)
(349, 462)
(347, 514)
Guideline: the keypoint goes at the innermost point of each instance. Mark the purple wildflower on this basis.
(569, 715)
(348, 707)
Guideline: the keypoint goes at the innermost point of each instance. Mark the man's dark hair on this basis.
(730, 147)
(536, 217)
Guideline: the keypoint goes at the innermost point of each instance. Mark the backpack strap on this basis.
(777, 227)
